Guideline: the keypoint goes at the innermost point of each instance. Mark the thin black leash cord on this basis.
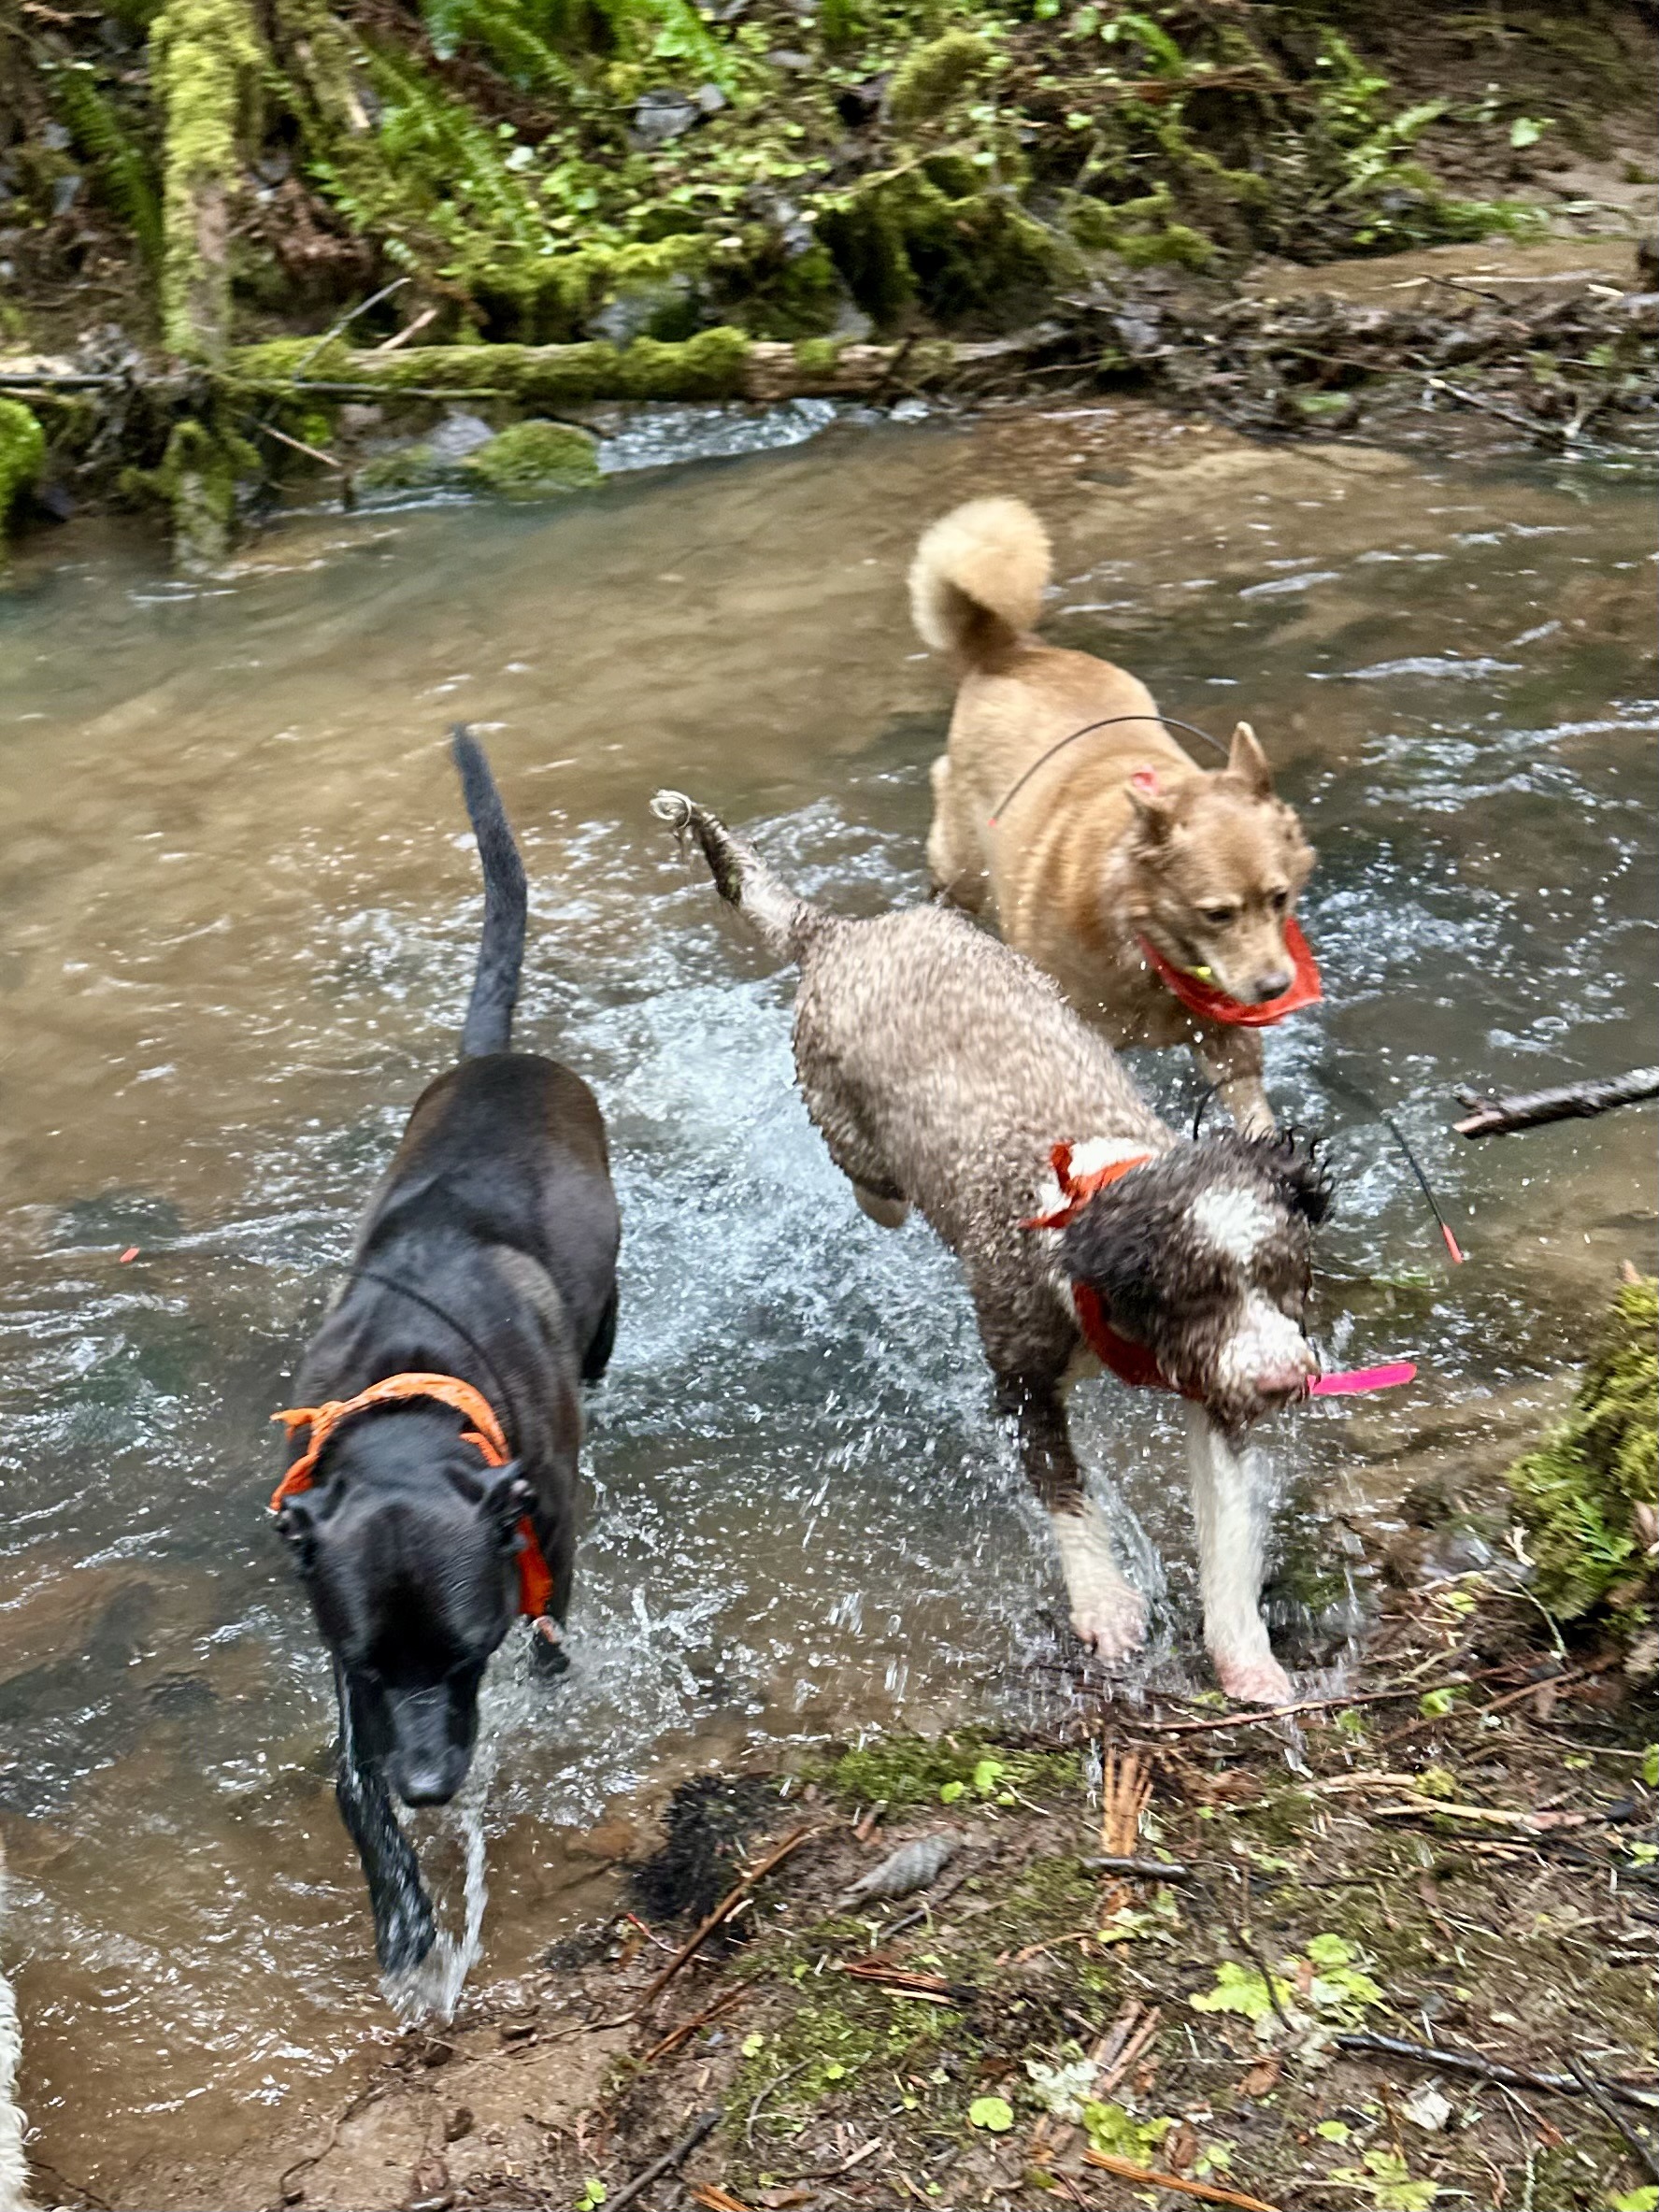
(1174, 723)
(388, 1282)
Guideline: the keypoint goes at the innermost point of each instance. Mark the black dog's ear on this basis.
(1306, 1185)
(505, 1500)
(296, 1526)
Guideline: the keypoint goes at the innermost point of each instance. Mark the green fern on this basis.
(528, 39)
(120, 169)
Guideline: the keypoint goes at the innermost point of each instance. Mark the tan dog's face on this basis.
(1220, 863)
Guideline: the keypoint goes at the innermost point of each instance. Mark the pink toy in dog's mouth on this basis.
(1364, 1378)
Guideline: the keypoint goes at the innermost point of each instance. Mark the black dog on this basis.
(431, 1488)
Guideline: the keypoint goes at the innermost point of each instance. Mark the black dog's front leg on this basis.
(1108, 1614)
(405, 1929)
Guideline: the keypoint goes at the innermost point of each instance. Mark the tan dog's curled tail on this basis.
(977, 579)
(742, 879)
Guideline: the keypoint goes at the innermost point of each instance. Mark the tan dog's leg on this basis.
(1108, 1612)
(1232, 1061)
(1231, 1512)
(954, 860)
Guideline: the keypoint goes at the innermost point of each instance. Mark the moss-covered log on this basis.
(717, 364)
(205, 57)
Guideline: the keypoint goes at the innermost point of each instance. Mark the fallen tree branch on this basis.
(1150, 2177)
(1464, 2062)
(705, 2124)
(1569, 1101)
(722, 1911)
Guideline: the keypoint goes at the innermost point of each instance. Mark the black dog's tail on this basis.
(489, 1026)
(742, 879)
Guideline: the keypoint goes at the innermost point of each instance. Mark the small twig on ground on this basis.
(722, 1911)
(1150, 2179)
(1149, 1869)
(299, 445)
(1310, 1704)
(1465, 2062)
(676, 2036)
(1499, 1705)
(776, 2082)
(1641, 2149)
(1130, 2052)
(410, 331)
(705, 2124)
(1247, 1943)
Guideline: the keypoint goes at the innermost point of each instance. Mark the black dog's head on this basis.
(413, 1584)
(1203, 1255)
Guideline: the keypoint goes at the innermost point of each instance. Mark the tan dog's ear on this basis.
(1249, 763)
(1154, 809)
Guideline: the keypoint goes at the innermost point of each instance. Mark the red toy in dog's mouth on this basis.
(1202, 997)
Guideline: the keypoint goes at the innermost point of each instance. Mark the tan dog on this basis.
(1118, 836)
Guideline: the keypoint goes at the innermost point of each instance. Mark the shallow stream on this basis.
(240, 912)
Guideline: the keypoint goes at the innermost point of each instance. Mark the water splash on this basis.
(432, 1990)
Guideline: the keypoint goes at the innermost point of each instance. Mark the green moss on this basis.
(930, 77)
(1578, 1494)
(534, 461)
(205, 57)
(819, 357)
(912, 1770)
(23, 456)
(935, 238)
(711, 366)
(277, 361)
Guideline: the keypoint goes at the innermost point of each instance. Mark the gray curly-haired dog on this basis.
(946, 1072)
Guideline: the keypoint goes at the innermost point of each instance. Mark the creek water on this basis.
(241, 910)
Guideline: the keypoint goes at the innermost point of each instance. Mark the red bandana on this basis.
(1133, 1362)
(1215, 1006)
(536, 1584)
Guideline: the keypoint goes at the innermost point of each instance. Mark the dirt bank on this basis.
(1456, 1852)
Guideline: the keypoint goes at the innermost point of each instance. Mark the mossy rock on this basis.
(1584, 1495)
(535, 460)
(197, 481)
(930, 77)
(23, 456)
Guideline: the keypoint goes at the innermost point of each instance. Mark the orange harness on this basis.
(536, 1584)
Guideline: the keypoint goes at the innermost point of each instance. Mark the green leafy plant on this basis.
(1387, 2180)
(996, 2115)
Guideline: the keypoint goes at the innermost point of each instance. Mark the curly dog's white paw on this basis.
(1108, 1614)
(1254, 1681)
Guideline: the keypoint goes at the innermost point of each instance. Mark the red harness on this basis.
(1133, 1362)
(486, 1434)
(1214, 1005)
